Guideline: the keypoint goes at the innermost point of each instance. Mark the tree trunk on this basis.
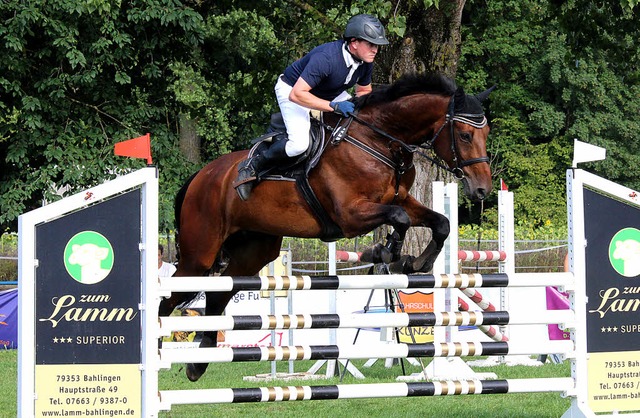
(189, 139)
(432, 44)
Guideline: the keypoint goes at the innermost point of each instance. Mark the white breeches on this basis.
(296, 119)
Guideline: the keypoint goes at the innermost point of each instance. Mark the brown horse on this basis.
(362, 181)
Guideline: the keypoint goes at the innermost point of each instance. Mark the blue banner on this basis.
(9, 319)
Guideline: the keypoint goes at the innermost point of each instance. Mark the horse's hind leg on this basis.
(439, 224)
(247, 253)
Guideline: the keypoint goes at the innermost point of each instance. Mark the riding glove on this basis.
(343, 108)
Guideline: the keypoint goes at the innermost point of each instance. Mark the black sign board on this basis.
(88, 284)
(613, 273)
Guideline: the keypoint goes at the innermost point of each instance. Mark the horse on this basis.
(362, 181)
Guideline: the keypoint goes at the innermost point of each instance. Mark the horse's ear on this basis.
(483, 96)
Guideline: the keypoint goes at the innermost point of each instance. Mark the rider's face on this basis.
(364, 50)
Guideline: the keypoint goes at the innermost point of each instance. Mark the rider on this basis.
(319, 81)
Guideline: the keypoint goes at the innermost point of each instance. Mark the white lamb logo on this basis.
(89, 257)
(629, 252)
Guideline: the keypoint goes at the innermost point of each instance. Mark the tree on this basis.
(430, 42)
(561, 75)
(75, 78)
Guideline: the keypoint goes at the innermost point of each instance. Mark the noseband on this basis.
(477, 120)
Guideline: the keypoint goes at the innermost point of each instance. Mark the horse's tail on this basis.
(177, 207)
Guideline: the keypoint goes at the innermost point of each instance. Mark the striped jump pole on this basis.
(326, 352)
(348, 256)
(370, 390)
(478, 299)
(332, 282)
(489, 330)
(465, 255)
(170, 324)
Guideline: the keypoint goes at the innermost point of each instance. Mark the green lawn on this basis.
(231, 375)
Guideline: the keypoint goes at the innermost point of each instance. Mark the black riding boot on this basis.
(249, 169)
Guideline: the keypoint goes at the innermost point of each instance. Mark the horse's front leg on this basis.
(247, 253)
(216, 303)
(377, 215)
(439, 224)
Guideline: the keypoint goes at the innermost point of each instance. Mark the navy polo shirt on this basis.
(325, 70)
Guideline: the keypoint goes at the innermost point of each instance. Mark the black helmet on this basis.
(366, 27)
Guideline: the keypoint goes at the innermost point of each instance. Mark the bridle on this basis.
(477, 120)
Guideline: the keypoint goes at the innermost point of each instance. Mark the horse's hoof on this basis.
(403, 266)
(426, 268)
(195, 371)
(376, 254)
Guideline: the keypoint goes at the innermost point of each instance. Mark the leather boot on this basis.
(250, 169)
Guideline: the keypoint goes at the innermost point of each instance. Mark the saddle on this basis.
(298, 169)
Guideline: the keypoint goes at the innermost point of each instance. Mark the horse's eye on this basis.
(466, 136)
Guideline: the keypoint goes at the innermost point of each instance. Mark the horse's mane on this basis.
(407, 85)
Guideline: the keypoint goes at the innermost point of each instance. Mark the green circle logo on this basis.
(88, 257)
(624, 252)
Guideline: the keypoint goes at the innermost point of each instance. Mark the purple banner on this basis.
(9, 319)
(557, 300)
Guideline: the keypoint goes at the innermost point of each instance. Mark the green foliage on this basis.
(563, 72)
(8, 248)
(522, 231)
(76, 77)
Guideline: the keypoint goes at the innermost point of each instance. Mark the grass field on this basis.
(518, 405)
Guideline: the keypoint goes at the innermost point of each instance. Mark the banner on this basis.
(557, 300)
(415, 302)
(9, 319)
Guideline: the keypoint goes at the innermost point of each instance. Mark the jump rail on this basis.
(463, 255)
(391, 281)
(378, 320)
(370, 390)
(353, 352)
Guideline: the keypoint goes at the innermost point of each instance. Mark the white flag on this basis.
(583, 152)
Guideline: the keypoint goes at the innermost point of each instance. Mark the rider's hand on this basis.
(343, 108)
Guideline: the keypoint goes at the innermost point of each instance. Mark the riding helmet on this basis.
(366, 27)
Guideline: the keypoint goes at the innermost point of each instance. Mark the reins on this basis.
(475, 120)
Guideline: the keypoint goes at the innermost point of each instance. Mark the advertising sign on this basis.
(415, 302)
(612, 290)
(87, 311)
(9, 319)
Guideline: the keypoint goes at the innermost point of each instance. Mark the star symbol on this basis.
(615, 329)
(55, 340)
(69, 340)
(608, 329)
(603, 329)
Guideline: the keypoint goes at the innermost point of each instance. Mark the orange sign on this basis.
(415, 302)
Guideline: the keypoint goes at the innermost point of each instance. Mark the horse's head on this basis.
(463, 143)
(432, 107)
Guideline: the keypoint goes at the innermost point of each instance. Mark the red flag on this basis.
(503, 185)
(139, 147)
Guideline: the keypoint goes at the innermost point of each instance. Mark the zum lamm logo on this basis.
(88, 257)
(624, 252)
